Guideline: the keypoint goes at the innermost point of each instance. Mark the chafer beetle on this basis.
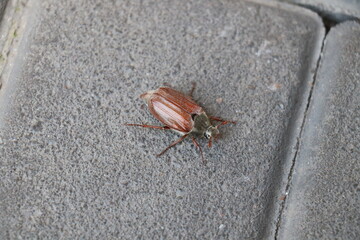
(181, 114)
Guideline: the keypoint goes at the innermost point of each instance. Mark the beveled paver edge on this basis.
(21, 20)
(296, 124)
(315, 113)
(330, 12)
(9, 30)
(6, 12)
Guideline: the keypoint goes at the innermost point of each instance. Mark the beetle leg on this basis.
(200, 150)
(148, 126)
(173, 144)
(223, 122)
(210, 142)
(192, 89)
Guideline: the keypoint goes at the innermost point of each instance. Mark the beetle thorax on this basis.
(203, 126)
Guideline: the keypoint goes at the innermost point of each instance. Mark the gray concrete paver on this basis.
(324, 196)
(69, 168)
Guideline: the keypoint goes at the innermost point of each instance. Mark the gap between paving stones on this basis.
(10, 31)
(309, 99)
(329, 19)
(332, 105)
(298, 143)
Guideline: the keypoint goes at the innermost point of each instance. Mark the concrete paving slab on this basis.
(70, 169)
(324, 196)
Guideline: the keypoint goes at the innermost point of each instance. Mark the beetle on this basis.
(180, 113)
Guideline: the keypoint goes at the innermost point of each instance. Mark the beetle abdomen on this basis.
(172, 108)
(181, 100)
(170, 114)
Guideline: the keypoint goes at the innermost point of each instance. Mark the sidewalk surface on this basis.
(71, 76)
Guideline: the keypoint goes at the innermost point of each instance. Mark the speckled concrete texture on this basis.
(69, 168)
(325, 192)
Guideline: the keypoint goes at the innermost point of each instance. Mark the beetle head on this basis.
(211, 133)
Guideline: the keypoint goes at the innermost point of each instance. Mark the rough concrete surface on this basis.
(324, 196)
(70, 169)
